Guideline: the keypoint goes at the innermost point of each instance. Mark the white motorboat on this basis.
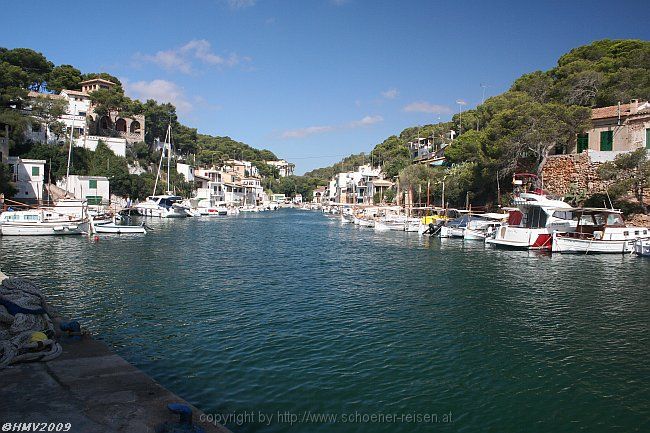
(38, 222)
(642, 247)
(113, 228)
(532, 223)
(598, 231)
(483, 226)
(162, 206)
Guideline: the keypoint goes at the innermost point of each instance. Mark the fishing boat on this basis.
(598, 231)
(642, 247)
(537, 215)
(39, 222)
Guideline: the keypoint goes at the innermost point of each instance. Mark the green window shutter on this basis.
(583, 142)
(606, 140)
(36, 171)
(92, 183)
(647, 138)
(94, 199)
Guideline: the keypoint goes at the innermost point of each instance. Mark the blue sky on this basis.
(315, 80)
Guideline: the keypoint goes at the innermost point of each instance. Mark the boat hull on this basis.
(562, 244)
(118, 229)
(521, 238)
(43, 228)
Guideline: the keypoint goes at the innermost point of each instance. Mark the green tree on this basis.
(64, 77)
(108, 100)
(628, 172)
(47, 110)
(6, 185)
(32, 63)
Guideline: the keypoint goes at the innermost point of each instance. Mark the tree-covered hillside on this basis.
(516, 131)
(23, 70)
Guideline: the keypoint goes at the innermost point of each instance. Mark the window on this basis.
(92, 183)
(583, 142)
(606, 140)
(647, 138)
(36, 127)
(82, 113)
(94, 199)
(36, 171)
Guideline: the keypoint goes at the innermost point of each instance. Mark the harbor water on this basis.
(291, 321)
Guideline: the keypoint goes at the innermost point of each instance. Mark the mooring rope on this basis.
(24, 318)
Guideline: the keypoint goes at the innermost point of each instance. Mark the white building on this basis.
(28, 177)
(284, 168)
(93, 189)
(253, 191)
(186, 170)
(355, 187)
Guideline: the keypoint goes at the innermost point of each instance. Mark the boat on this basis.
(39, 222)
(113, 228)
(642, 247)
(162, 206)
(598, 231)
(483, 226)
(532, 222)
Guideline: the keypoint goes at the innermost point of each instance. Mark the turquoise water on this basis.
(292, 312)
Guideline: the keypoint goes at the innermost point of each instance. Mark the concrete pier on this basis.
(90, 387)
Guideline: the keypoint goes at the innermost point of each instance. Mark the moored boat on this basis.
(162, 206)
(113, 228)
(598, 231)
(40, 222)
(532, 223)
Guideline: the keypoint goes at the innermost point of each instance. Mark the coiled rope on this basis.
(23, 311)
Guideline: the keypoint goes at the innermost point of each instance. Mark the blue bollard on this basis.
(72, 329)
(184, 424)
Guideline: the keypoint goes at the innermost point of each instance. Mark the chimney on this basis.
(634, 106)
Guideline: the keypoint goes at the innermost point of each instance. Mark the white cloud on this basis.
(180, 59)
(304, 132)
(425, 107)
(241, 4)
(311, 130)
(159, 90)
(390, 94)
(368, 120)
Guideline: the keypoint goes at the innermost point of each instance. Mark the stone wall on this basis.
(561, 171)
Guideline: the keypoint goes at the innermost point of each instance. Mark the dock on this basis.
(91, 388)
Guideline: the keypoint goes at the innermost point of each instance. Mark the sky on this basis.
(315, 80)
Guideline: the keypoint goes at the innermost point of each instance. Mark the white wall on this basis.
(28, 177)
(79, 187)
(117, 145)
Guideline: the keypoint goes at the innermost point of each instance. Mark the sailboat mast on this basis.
(162, 155)
(169, 151)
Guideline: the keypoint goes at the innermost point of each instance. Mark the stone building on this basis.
(618, 128)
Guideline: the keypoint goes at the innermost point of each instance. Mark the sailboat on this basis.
(163, 205)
